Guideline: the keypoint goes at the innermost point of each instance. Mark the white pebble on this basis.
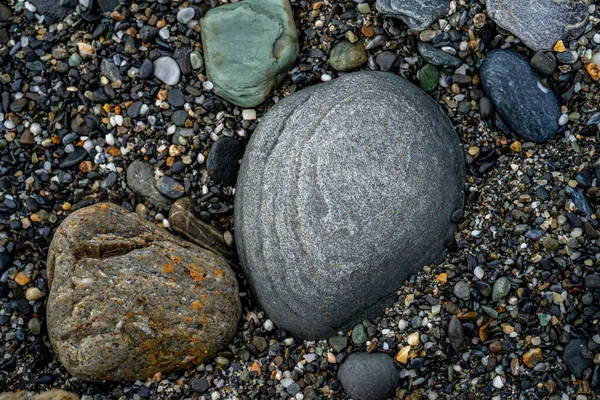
(8, 124)
(478, 271)
(200, 158)
(30, 7)
(249, 114)
(498, 384)
(325, 77)
(597, 38)
(207, 85)
(564, 118)
(596, 58)
(35, 129)
(164, 33)
(185, 15)
(166, 223)
(110, 139)
(268, 325)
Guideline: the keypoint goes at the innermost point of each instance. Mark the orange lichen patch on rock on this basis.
(168, 268)
(195, 273)
(103, 206)
(176, 259)
(197, 305)
(219, 273)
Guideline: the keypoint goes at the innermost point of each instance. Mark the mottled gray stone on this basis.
(141, 181)
(127, 299)
(525, 105)
(540, 23)
(54, 10)
(438, 57)
(369, 376)
(417, 14)
(345, 189)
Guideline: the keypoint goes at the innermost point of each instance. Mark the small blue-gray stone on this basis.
(525, 105)
(369, 376)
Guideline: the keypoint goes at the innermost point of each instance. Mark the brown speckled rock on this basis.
(128, 299)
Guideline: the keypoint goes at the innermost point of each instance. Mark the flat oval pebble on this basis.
(345, 189)
(531, 110)
(167, 70)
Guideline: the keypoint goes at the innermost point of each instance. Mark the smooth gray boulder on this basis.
(369, 376)
(540, 23)
(346, 188)
(417, 14)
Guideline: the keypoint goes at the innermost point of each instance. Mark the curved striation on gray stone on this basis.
(531, 110)
(540, 23)
(346, 189)
(417, 14)
(369, 376)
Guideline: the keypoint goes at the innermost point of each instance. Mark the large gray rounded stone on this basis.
(540, 23)
(128, 299)
(345, 189)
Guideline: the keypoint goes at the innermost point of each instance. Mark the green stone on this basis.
(550, 243)
(196, 59)
(364, 8)
(501, 288)
(544, 319)
(346, 56)
(429, 77)
(249, 46)
(359, 334)
(74, 60)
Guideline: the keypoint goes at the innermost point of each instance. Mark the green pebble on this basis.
(196, 59)
(501, 289)
(429, 77)
(544, 319)
(74, 60)
(364, 8)
(359, 334)
(346, 56)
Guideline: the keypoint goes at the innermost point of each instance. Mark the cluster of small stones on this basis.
(507, 314)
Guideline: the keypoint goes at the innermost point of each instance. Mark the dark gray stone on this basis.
(417, 14)
(146, 69)
(148, 33)
(540, 23)
(525, 105)
(369, 376)
(75, 157)
(456, 333)
(438, 57)
(107, 5)
(330, 220)
(170, 188)
(140, 179)
(224, 161)
(110, 70)
(573, 358)
(543, 63)
(592, 281)
(54, 10)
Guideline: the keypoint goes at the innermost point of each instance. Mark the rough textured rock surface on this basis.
(369, 376)
(128, 300)
(417, 14)
(540, 23)
(525, 105)
(183, 220)
(345, 189)
(52, 394)
(248, 48)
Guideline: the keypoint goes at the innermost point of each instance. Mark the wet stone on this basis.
(346, 56)
(437, 56)
(369, 376)
(573, 357)
(417, 14)
(531, 110)
(223, 161)
(140, 179)
(170, 188)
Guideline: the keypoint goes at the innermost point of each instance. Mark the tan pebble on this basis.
(331, 358)
(402, 356)
(33, 294)
(532, 357)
